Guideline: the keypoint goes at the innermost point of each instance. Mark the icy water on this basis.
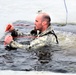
(56, 58)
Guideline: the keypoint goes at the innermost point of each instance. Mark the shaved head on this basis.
(42, 21)
(44, 16)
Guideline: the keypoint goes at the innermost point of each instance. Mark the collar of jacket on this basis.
(47, 31)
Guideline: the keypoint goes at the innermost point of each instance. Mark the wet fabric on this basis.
(41, 40)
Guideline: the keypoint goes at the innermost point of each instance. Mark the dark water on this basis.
(56, 58)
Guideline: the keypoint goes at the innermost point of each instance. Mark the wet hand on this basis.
(8, 39)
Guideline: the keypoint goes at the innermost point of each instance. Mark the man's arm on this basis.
(37, 43)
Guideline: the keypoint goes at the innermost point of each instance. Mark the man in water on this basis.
(43, 31)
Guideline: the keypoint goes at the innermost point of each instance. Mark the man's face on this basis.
(38, 23)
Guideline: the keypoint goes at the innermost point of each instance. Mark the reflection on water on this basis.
(57, 58)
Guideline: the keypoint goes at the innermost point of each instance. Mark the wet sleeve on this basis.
(35, 44)
(15, 44)
(38, 42)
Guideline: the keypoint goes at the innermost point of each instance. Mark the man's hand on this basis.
(8, 39)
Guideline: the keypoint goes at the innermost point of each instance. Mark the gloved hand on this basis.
(15, 44)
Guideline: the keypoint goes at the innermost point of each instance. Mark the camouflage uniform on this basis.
(45, 38)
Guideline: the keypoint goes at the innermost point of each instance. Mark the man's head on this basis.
(42, 21)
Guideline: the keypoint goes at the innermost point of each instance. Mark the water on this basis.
(56, 58)
(11, 11)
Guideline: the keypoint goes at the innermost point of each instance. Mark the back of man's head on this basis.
(45, 17)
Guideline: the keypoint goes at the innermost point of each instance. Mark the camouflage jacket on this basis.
(47, 37)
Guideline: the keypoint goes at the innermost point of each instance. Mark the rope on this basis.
(66, 10)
